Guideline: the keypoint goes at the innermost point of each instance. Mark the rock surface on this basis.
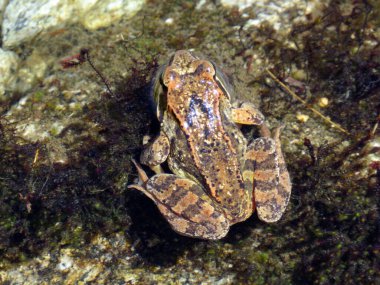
(9, 63)
(275, 12)
(26, 19)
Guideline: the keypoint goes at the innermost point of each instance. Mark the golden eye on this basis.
(169, 76)
(204, 67)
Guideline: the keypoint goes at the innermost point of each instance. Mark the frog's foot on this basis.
(156, 152)
(247, 114)
(186, 207)
(272, 185)
(143, 178)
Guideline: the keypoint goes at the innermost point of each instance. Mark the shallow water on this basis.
(67, 143)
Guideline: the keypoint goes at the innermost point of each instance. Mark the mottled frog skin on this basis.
(217, 179)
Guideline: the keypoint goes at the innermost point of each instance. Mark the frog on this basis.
(215, 178)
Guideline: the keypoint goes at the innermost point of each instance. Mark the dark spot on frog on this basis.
(206, 133)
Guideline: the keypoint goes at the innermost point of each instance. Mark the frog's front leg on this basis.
(272, 186)
(247, 114)
(185, 205)
(156, 152)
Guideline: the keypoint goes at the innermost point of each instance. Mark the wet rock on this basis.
(9, 62)
(26, 19)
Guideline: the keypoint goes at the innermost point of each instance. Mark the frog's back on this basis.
(196, 104)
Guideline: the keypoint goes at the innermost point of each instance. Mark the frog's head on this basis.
(183, 64)
(173, 77)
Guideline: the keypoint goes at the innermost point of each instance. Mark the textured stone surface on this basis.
(276, 11)
(9, 62)
(2, 8)
(26, 19)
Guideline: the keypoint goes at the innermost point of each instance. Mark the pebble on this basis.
(323, 102)
(302, 118)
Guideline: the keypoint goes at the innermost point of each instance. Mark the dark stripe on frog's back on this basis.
(180, 157)
(212, 146)
(180, 160)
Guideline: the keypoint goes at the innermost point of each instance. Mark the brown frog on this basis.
(218, 178)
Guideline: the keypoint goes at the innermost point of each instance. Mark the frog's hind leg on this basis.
(271, 180)
(187, 208)
(285, 185)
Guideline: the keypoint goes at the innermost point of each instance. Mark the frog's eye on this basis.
(205, 67)
(169, 76)
(158, 93)
(224, 83)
